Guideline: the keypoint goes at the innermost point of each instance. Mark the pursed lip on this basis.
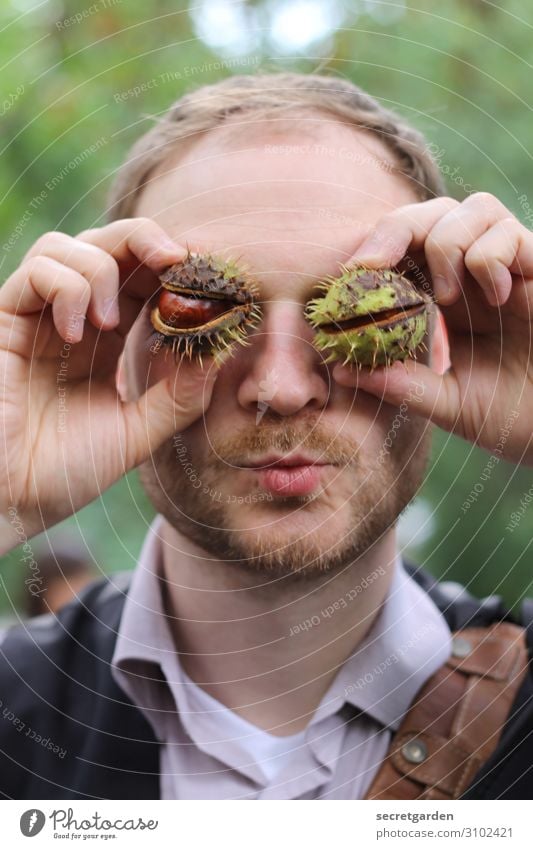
(284, 460)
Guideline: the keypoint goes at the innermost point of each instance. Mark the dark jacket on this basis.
(67, 731)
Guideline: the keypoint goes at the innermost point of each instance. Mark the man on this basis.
(271, 641)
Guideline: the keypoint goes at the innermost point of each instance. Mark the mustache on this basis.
(328, 448)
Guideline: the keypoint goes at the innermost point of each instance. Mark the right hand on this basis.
(60, 451)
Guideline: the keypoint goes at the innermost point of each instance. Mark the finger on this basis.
(413, 384)
(135, 241)
(99, 268)
(506, 247)
(167, 408)
(412, 226)
(41, 281)
(452, 236)
(407, 226)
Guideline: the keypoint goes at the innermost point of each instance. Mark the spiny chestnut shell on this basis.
(205, 305)
(369, 317)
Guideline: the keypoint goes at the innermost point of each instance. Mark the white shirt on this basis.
(209, 752)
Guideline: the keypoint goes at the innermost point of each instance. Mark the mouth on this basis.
(284, 460)
(291, 474)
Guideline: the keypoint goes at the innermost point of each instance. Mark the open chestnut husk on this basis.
(369, 317)
(206, 304)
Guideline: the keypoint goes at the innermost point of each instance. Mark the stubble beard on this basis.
(297, 537)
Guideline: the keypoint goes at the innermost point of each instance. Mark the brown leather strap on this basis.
(455, 722)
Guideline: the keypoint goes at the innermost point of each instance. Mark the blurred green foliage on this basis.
(69, 109)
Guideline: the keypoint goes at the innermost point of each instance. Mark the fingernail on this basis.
(168, 245)
(441, 287)
(110, 309)
(502, 282)
(370, 247)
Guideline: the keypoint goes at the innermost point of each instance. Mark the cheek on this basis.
(381, 430)
(365, 416)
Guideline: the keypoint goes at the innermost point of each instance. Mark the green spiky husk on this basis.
(213, 278)
(396, 313)
(374, 346)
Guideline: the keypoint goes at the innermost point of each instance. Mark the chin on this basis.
(299, 544)
(284, 538)
(294, 516)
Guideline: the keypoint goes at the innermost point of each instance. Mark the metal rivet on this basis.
(415, 751)
(461, 647)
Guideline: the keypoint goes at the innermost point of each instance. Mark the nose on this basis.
(283, 373)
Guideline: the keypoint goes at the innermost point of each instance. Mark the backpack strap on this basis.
(455, 722)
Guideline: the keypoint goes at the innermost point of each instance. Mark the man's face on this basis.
(291, 205)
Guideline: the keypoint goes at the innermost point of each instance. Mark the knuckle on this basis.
(510, 223)
(450, 203)
(87, 235)
(38, 264)
(486, 200)
(139, 230)
(436, 243)
(134, 225)
(50, 239)
(443, 202)
(482, 197)
(105, 266)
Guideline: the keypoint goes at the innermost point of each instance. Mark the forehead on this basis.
(285, 197)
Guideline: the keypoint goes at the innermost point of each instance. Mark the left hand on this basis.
(480, 263)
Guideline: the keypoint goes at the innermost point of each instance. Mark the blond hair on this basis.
(263, 96)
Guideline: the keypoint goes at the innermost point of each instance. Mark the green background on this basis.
(461, 72)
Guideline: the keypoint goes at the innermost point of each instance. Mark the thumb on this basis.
(166, 408)
(428, 394)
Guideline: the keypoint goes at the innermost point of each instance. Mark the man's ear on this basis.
(439, 359)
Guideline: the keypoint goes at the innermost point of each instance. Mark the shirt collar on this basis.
(408, 641)
(406, 644)
(143, 632)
